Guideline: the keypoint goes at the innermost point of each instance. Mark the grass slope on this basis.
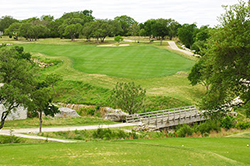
(126, 62)
(196, 151)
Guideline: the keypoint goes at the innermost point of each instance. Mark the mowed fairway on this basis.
(170, 151)
(126, 62)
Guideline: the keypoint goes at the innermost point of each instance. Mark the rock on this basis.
(66, 112)
(19, 113)
(116, 115)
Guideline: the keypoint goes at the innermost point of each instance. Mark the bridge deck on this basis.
(168, 117)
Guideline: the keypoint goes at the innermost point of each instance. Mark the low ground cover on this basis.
(170, 151)
(53, 122)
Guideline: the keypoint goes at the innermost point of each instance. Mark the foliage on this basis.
(200, 73)
(242, 125)
(227, 122)
(228, 54)
(126, 22)
(207, 126)
(9, 139)
(128, 97)
(184, 131)
(118, 39)
(17, 74)
(186, 34)
(5, 22)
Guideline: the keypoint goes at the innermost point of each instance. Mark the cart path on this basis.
(17, 132)
(175, 47)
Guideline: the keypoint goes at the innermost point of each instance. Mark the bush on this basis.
(247, 113)
(206, 127)
(242, 125)
(227, 122)
(185, 130)
(9, 139)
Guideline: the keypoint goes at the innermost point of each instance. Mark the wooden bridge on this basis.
(169, 117)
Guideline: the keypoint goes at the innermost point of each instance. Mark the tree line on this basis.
(83, 24)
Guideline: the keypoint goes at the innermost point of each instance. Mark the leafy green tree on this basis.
(187, 33)
(126, 24)
(39, 30)
(22, 85)
(5, 22)
(72, 30)
(52, 80)
(228, 53)
(13, 30)
(200, 40)
(42, 102)
(173, 28)
(18, 78)
(200, 74)
(160, 28)
(128, 97)
(118, 39)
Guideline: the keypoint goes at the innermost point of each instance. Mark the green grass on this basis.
(196, 151)
(175, 87)
(126, 62)
(53, 122)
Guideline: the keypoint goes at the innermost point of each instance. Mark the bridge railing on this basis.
(168, 117)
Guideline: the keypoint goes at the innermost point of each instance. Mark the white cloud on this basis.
(184, 11)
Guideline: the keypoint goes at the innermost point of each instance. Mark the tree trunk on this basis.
(41, 121)
(4, 116)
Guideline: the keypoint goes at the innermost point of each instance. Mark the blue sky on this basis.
(202, 12)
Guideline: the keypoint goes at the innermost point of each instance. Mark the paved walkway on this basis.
(17, 132)
(175, 47)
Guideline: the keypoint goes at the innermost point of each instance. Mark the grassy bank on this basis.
(170, 151)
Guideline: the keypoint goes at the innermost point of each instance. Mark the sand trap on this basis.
(112, 45)
(123, 45)
(109, 45)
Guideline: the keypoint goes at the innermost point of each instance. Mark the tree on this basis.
(173, 28)
(13, 30)
(200, 40)
(187, 33)
(39, 30)
(228, 53)
(160, 28)
(22, 84)
(126, 24)
(200, 73)
(72, 30)
(42, 102)
(118, 39)
(52, 80)
(18, 78)
(128, 97)
(5, 22)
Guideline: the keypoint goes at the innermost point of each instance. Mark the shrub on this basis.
(247, 113)
(184, 131)
(9, 139)
(227, 122)
(208, 126)
(242, 125)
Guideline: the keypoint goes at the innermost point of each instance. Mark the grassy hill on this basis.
(90, 72)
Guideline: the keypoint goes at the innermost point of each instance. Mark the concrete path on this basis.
(17, 132)
(175, 47)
